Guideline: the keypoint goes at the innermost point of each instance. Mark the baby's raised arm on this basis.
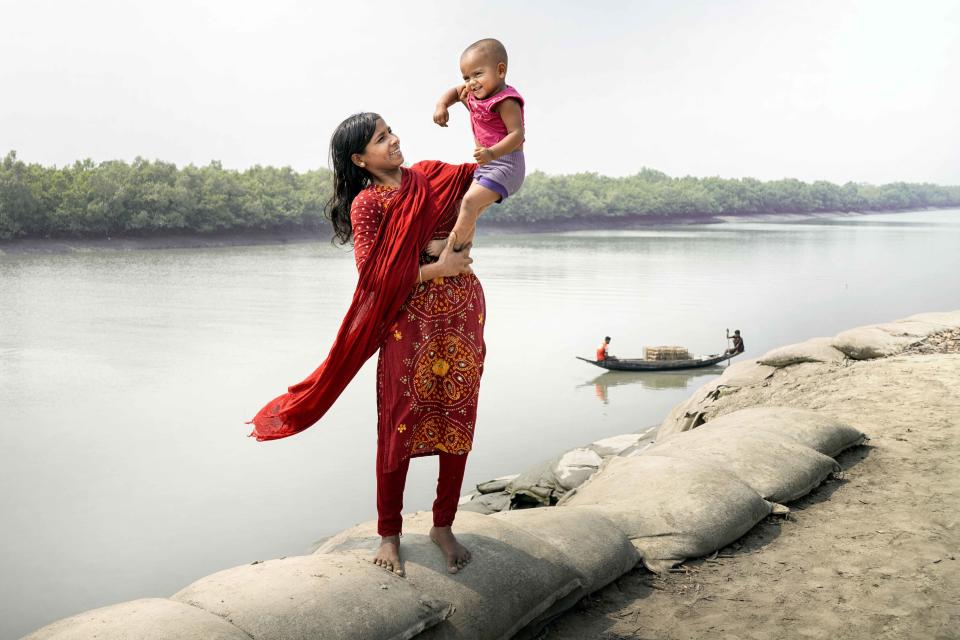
(450, 97)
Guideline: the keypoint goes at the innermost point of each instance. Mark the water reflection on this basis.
(653, 380)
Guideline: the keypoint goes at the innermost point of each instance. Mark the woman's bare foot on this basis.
(388, 555)
(456, 554)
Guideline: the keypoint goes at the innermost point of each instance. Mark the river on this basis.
(126, 378)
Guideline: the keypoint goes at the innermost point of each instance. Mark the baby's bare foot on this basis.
(388, 555)
(456, 554)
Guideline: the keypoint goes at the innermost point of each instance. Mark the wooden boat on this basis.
(658, 365)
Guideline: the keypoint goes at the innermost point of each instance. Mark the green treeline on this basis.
(144, 198)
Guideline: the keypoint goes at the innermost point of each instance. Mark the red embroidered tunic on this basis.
(429, 368)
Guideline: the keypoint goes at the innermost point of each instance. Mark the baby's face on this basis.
(482, 74)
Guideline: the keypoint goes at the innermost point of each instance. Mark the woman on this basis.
(424, 313)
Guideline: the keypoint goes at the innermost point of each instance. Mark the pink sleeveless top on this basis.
(488, 127)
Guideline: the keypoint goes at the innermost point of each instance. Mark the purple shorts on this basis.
(503, 175)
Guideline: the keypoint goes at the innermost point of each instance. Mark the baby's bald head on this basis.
(491, 49)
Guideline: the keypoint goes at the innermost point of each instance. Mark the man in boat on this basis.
(737, 347)
(602, 350)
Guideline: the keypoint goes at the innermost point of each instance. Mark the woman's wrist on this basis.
(431, 271)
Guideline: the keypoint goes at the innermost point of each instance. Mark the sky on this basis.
(838, 90)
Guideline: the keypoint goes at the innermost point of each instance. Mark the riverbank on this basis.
(41, 246)
(868, 554)
(873, 554)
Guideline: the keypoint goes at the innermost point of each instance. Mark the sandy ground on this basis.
(874, 554)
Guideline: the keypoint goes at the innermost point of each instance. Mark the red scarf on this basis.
(427, 190)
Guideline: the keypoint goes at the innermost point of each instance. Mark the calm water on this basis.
(126, 378)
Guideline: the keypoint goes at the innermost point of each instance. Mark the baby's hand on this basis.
(441, 116)
(483, 155)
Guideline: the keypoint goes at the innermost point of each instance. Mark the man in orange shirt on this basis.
(602, 350)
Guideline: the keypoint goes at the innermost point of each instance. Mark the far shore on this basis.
(59, 245)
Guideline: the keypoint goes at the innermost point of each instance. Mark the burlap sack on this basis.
(813, 350)
(774, 465)
(671, 509)
(691, 413)
(317, 596)
(514, 577)
(814, 429)
(865, 343)
(147, 619)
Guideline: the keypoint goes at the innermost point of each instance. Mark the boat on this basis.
(639, 364)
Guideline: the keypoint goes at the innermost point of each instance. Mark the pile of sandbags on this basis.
(527, 566)
(544, 483)
(315, 596)
(696, 492)
(861, 343)
(666, 352)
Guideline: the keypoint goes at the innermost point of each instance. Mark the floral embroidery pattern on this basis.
(446, 371)
(436, 432)
(440, 296)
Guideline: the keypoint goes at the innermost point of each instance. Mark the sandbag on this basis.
(146, 619)
(536, 485)
(813, 350)
(745, 374)
(487, 503)
(774, 465)
(671, 509)
(575, 466)
(865, 343)
(585, 538)
(916, 329)
(544, 483)
(588, 541)
(684, 416)
(811, 428)
(948, 319)
(496, 485)
(614, 445)
(513, 579)
(317, 596)
(693, 412)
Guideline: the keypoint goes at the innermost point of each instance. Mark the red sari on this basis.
(430, 335)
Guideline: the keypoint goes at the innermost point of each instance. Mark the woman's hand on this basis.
(453, 263)
(441, 116)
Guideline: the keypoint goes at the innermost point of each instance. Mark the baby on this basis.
(496, 116)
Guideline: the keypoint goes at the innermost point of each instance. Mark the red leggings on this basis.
(390, 493)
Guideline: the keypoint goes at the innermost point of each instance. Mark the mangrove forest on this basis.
(151, 197)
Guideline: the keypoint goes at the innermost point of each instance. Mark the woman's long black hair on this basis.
(351, 136)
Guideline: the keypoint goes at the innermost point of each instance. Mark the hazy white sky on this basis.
(864, 90)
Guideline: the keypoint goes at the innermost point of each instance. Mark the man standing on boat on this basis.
(602, 350)
(737, 347)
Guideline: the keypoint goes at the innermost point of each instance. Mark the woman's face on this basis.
(382, 153)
